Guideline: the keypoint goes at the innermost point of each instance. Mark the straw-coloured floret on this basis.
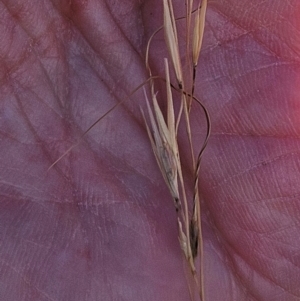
(198, 31)
(172, 39)
(163, 140)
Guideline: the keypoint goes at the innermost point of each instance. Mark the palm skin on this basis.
(100, 224)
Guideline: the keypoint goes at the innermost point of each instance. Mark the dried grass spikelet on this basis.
(172, 39)
(186, 247)
(189, 10)
(198, 31)
(162, 136)
(163, 140)
(183, 240)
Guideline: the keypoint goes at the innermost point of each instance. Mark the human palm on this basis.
(100, 224)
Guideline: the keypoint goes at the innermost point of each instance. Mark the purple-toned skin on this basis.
(101, 225)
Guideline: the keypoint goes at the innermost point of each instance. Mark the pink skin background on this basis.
(100, 225)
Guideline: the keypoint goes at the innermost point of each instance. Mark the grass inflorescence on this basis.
(163, 133)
